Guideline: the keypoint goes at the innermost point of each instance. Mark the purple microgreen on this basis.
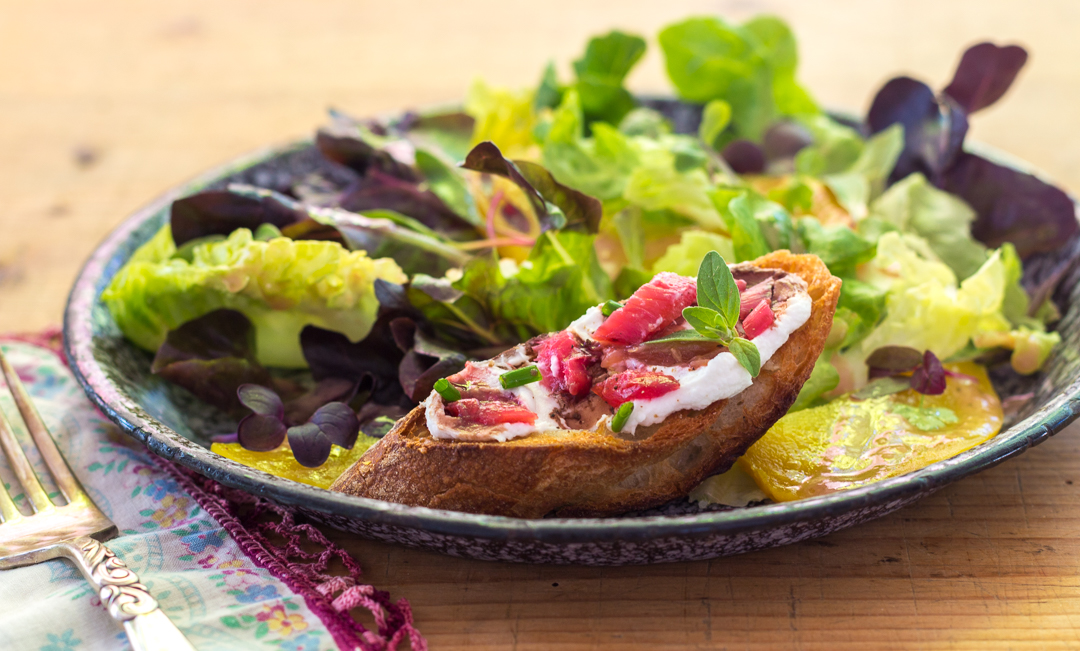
(1012, 206)
(231, 437)
(211, 356)
(261, 400)
(334, 423)
(744, 157)
(260, 433)
(333, 389)
(893, 359)
(309, 444)
(220, 212)
(984, 74)
(883, 387)
(929, 377)
(573, 208)
(338, 421)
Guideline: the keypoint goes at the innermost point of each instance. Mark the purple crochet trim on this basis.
(305, 573)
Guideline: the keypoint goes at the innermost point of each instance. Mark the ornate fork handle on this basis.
(126, 599)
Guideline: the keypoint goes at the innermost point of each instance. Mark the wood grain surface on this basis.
(104, 105)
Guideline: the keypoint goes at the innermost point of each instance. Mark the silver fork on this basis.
(73, 531)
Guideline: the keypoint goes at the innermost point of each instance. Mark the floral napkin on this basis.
(215, 575)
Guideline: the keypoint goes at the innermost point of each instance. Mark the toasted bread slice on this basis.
(597, 473)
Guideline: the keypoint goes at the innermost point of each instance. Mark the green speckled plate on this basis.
(175, 425)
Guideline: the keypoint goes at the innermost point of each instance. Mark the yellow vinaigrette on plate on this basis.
(280, 461)
(848, 443)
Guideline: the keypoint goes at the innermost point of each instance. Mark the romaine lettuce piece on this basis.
(281, 285)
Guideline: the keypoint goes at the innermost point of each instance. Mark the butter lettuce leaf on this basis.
(913, 205)
(280, 285)
(750, 66)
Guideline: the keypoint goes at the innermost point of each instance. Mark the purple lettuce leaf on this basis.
(984, 74)
(1012, 206)
(933, 130)
(343, 145)
(220, 212)
(572, 208)
(381, 191)
(425, 360)
(212, 356)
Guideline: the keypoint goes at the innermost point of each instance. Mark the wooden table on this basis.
(103, 105)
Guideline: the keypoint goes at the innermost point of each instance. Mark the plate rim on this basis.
(1051, 418)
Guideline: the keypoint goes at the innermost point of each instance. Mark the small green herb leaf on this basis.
(717, 290)
(703, 319)
(747, 353)
(925, 418)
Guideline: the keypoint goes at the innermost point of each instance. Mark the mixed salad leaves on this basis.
(457, 234)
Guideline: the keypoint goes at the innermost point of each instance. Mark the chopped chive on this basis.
(609, 306)
(520, 377)
(447, 390)
(618, 421)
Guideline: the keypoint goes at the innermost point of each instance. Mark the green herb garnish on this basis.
(609, 307)
(622, 414)
(927, 419)
(448, 392)
(520, 377)
(717, 313)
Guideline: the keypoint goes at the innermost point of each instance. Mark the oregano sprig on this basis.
(717, 313)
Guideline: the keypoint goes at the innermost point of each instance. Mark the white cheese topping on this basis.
(723, 377)
(534, 397)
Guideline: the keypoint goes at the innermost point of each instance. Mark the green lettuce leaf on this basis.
(504, 117)
(496, 304)
(926, 308)
(839, 247)
(684, 257)
(600, 74)
(751, 67)
(913, 205)
(281, 285)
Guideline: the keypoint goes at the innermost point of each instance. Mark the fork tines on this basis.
(67, 483)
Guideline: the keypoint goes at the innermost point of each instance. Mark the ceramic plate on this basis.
(171, 422)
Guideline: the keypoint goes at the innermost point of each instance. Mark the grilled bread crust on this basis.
(595, 473)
